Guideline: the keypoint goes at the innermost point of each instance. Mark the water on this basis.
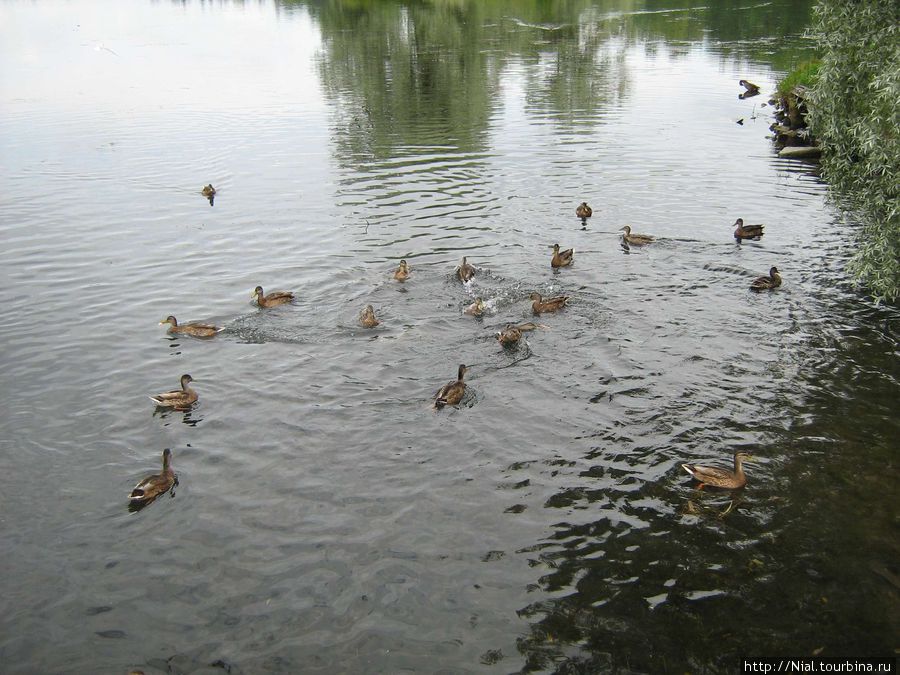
(326, 519)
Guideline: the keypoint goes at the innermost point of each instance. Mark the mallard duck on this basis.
(749, 86)
(511, 334)
(635, 239)
(272, 299)
(747, 231)
(452, 392)
(194, 329)
(767, 283)
(539, 305)
(723, 478)
(584, 211)
(402, 273)
(153, 486)
(180, 399)
(208, 191)
(562, 258)
(465, 271)
(367, 318)
(476, 308)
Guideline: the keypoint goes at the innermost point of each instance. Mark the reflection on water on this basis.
(326, 519)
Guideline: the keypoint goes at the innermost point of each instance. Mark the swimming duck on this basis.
(452, 392)
(402, 273)
(208, 191)
(272, 299)
(749, 86)
(476, 308)
(465, 271)
(153, 486)
(179, 399)
(194, 329)
(747, 231)
(583, 211)
(635, 239)
(767, 283)
(540, 305)
(562, 258)
(722, 478)
(367, 318)
(511, 334)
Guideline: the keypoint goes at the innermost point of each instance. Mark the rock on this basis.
(800, 152)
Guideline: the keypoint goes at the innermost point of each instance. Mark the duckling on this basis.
(722, 478)
(367, 318)
(402, 273)
(751, 89)
(562, 258)
(208, 191)
(511, 334)
(153, 486)
(465, 271)
(584, 211)
(272, 299)
(540, 305)
(476, 308)
(742, 231)
(194, 329)
(767, 283)
(180, 399)
(635, 239)
(452, 392)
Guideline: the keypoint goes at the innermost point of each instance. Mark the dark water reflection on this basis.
(326, 519)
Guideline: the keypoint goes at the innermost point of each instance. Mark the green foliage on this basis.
(856, 116)
(805, 74)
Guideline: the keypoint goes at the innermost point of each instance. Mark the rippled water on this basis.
(326, 519)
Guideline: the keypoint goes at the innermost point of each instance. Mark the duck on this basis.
(767, 283)
(194, 329)
(476, 308)
(562, 258)
(452, 392)
(584, 211)
(367, 318)
(742, 231)
(179, 399)
(153, 486)
(511, 334)
(208, 191)
(635, 239)
(272, 299)
(539, 305)
(749, 86)
(722, 478)
(402, 273)
(465, 271)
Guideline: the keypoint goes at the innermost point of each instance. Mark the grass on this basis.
(805, 74)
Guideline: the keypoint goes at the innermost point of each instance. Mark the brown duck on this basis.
(208, 191)
(742, 231)
(402, 273)
(749, 87)
(153, 486)
(539, 305)
(635, 239)
(767, 283)
(584, 211)
(367, 318)
(194, 329)
(465, 271)
(562, 258)
(476, 308)
(722, 478)
(273, 299)
(452, 392)
(179, 399)
(512, 334)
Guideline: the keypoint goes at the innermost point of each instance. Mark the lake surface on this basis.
(327, 520)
